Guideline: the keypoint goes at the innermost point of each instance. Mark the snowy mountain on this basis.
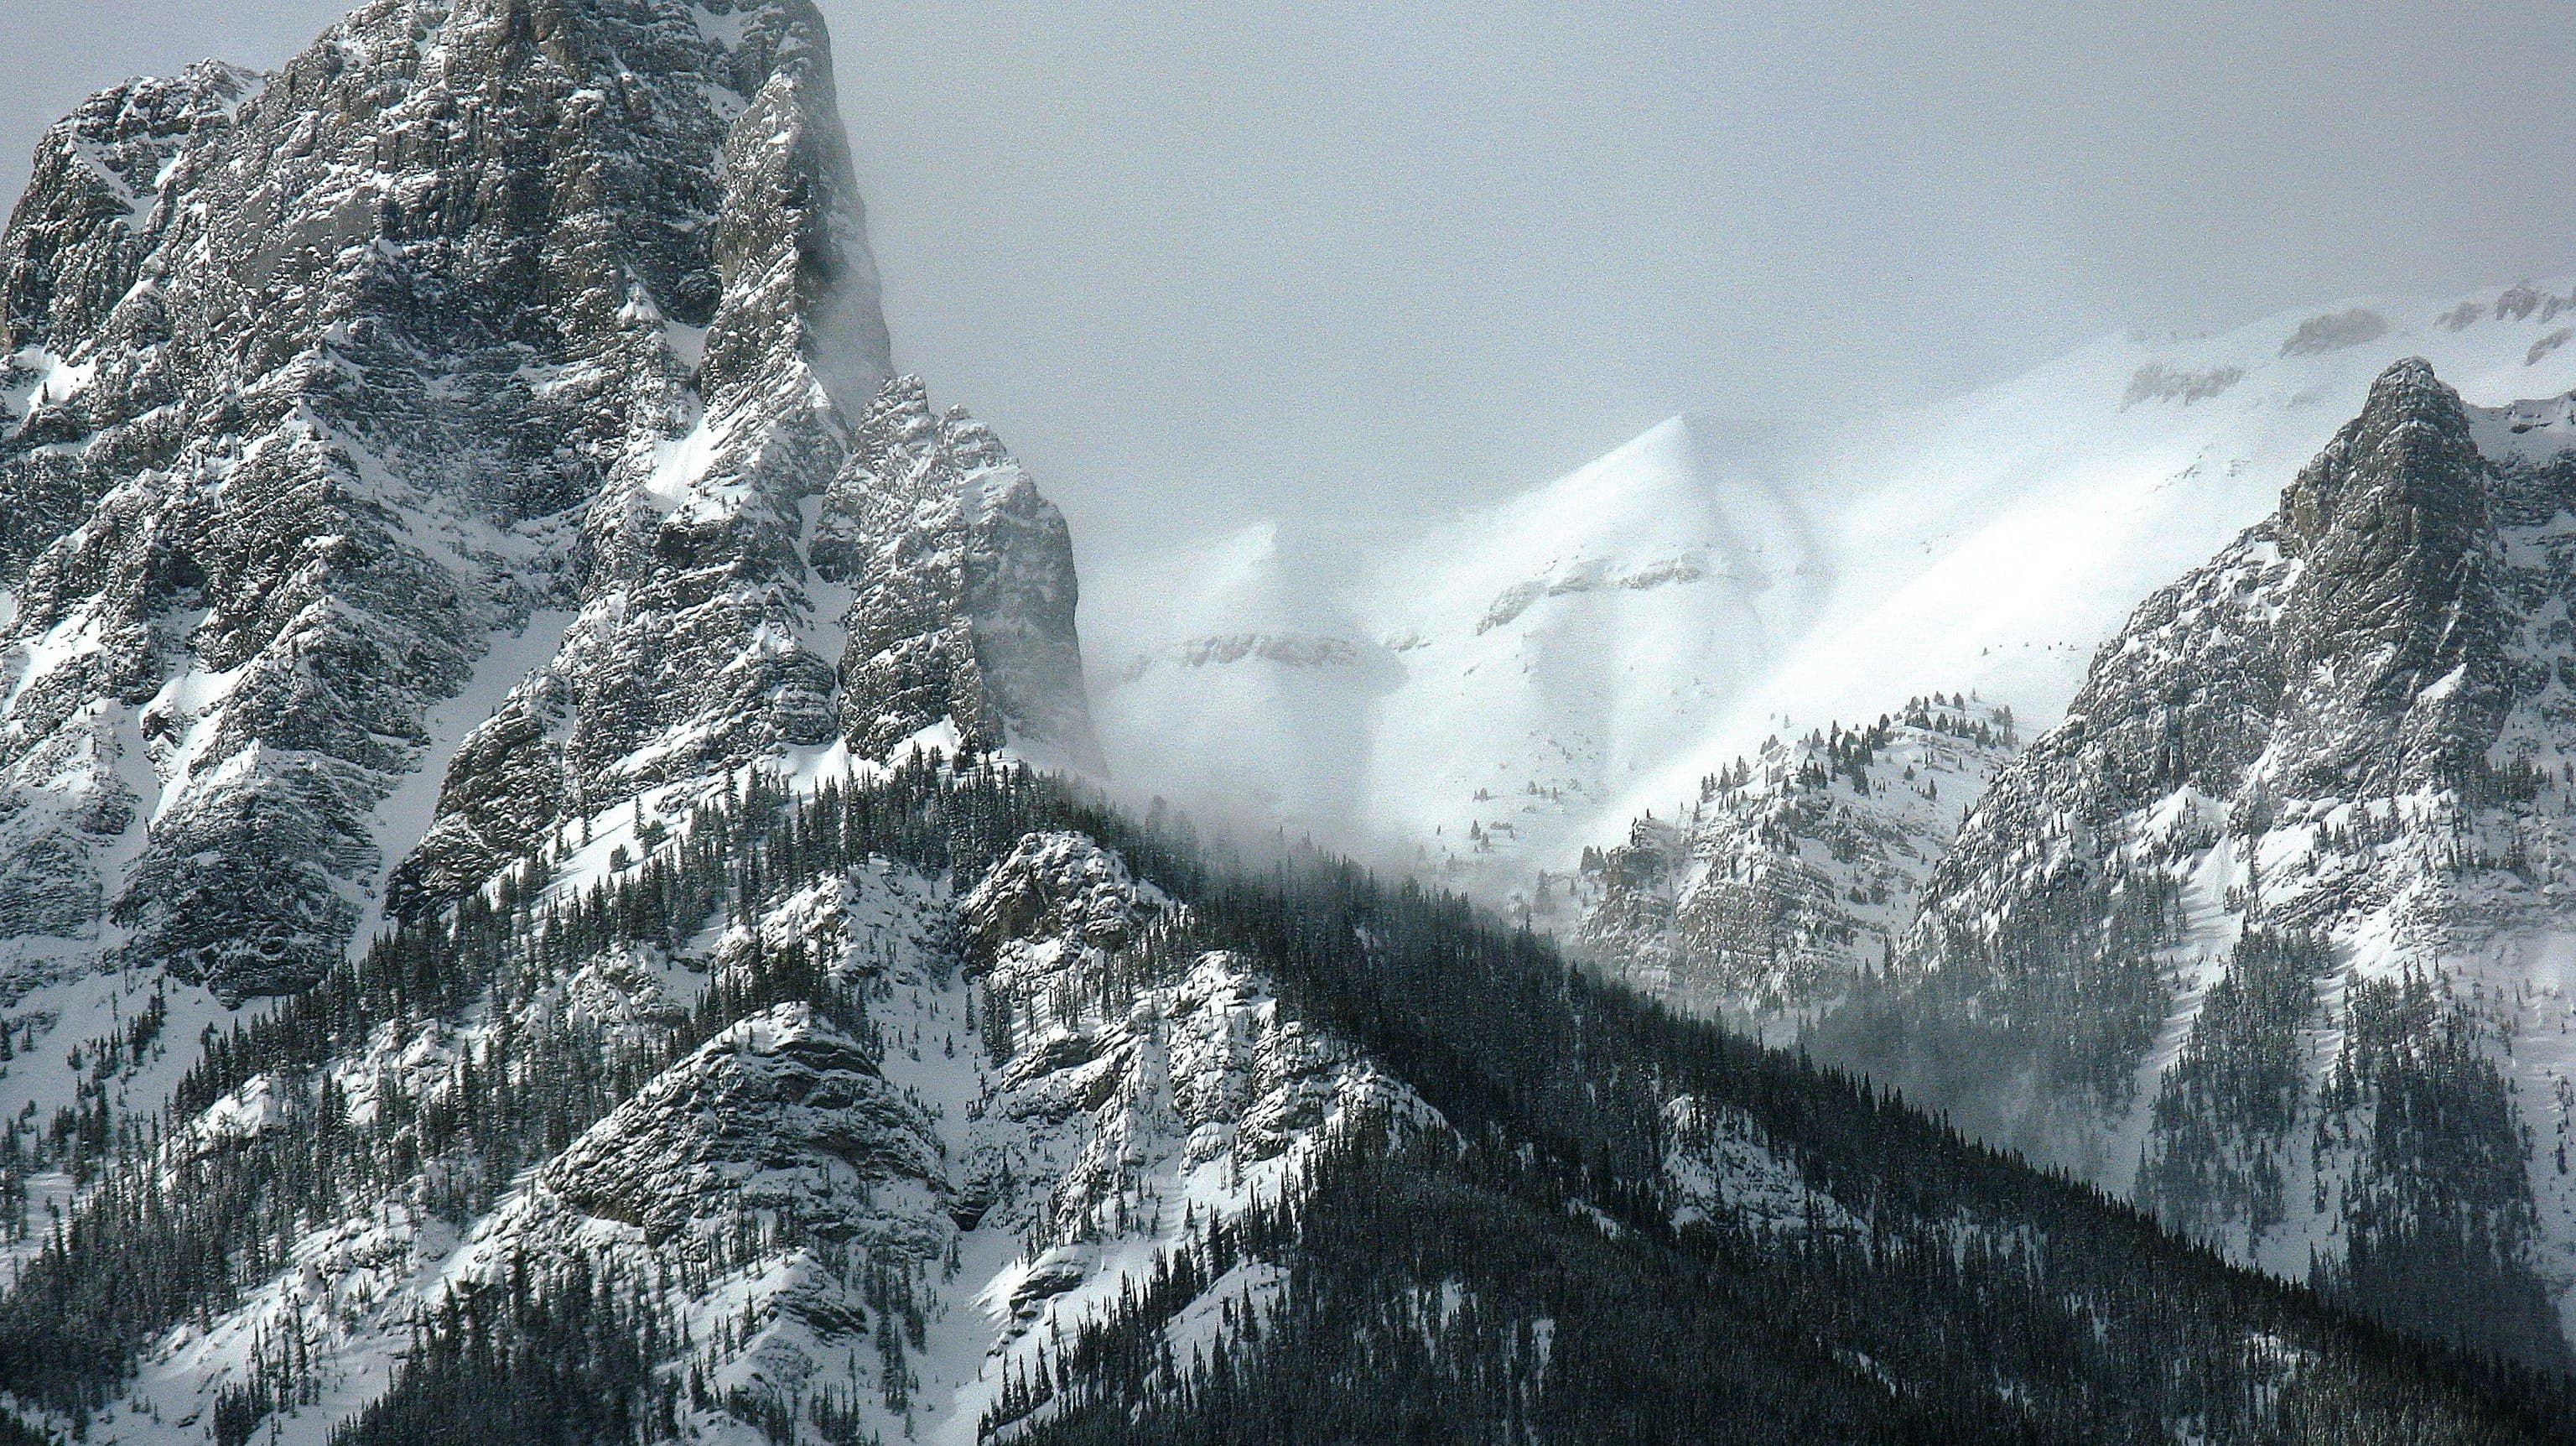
(530, 910)
(1337, 679)
(456, 365)
(1794, 873)
(2265, 931)
(1987, 544)
(907, 1108)
(807, 1185)
(1464, 698)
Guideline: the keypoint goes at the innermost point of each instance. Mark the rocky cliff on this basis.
(2266, 930)
(1795, 872)
(318, 385)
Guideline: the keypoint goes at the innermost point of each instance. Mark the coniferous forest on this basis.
(533, 911)
(1524, 1276)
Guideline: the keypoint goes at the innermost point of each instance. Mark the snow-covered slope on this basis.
(1464, 696)
(971, 1122)
(1989, 543)
(2268, 933)
(2271, 930)
(874, 1114)
(1366, 684)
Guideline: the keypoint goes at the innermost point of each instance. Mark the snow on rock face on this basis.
(2390, 649)
(1989, 542)
(690, 649)
(882, 1202)
(781, 1114)
(317, 388)
(2281, 888)
(2269, 894)
(1058, 886)
(963, 588)
(1793, 871)
(341, 391)
(1203, 1067)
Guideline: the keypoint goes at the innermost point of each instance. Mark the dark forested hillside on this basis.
(1594, 1246)
(527, 913)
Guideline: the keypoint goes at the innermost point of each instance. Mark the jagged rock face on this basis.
(2352, 648)
(74, 249)
(2390, 530)
(1203, 1068)
(963, 587)
(1796, 870)
(1015, 1101)
(1056, 886)
(2268, 901)
(781, 1113)
(690, 652)
(314, 385)
(328, 358)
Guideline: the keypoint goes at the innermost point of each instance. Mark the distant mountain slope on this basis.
(2270, 929)
(1989, 542)
(1463, 697)
(1361, 683)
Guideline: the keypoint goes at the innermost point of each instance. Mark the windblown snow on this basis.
(1486, 693)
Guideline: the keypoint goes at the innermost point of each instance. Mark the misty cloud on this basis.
(1206, 263)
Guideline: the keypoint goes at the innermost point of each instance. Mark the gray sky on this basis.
(1203, 261)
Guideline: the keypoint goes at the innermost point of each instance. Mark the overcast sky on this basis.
(1201, 262)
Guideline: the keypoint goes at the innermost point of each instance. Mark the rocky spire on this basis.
(963, 588)
(314, 386)
(2388, 641)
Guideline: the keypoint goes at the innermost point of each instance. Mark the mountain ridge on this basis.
(607, 382)
(489, 432)
(1979, 545)
(2260, 932)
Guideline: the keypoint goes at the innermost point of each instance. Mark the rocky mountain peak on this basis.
(2258, 909)
(964, 589)
(2408, 451)
(2386, 630)
(791, 246)
(476, 318)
